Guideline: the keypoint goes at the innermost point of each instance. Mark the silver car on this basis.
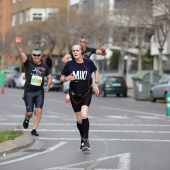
(160, 89)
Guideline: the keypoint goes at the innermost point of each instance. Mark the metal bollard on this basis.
(168, 103)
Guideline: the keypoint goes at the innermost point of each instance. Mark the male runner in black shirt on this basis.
(35, 72)
(87, 51)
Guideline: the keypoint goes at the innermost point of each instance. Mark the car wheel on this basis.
(152, 99)
(118, 95)
(103, 94)
(125, 94)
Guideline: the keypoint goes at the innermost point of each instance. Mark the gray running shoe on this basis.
(86, 146)
(82, 144)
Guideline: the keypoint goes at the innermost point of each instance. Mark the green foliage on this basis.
(6, 135)
(147, 58)
(114, 60)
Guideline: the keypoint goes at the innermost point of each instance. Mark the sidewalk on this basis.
(17, 144)
(130, 92)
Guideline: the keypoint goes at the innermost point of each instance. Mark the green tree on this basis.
(114, 60)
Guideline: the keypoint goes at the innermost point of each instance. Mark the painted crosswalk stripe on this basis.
(100, 131)
(115, 140)
(95, 124)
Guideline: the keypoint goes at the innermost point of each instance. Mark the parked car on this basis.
(9, 78)
(112, 85)
(66, 85)
(20, 80)
(56, 84)
(160, 89)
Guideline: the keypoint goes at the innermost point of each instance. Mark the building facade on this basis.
(5, 28)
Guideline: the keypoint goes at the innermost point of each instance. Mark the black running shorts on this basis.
(77, 103)
(32, 98)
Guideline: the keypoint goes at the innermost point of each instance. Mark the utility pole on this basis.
(3, 35)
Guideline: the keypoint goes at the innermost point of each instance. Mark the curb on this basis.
(15, 145)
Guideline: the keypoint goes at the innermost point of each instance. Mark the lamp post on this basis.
(3, 34)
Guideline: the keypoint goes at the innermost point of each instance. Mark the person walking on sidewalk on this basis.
(78, 72)
(87, 51)
(35, 73)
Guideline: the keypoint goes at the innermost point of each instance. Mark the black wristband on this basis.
(96, 82)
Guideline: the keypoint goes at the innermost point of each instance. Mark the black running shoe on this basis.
(34, 133)
(82, 144)
(86, 146)
(25, 123)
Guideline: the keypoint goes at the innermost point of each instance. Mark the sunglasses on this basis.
(38, 55)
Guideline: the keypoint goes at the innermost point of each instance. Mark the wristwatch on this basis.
(96, 82)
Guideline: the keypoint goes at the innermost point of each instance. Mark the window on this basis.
(20, 17)
(40, 14)
(13, 1)
(14, 20)
(37, 16)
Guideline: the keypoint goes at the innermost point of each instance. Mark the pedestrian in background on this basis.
(78, 72)
(87, 51)
(35, 73)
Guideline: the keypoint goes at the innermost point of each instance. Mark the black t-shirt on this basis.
(87, 53)
(82, 74)
(35, 75)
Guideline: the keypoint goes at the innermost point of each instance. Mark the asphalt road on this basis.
(125, 134)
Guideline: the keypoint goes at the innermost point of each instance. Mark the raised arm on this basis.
(18, 40)
(65, 58)
(101, 50)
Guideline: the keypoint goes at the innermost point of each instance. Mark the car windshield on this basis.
(115, 79)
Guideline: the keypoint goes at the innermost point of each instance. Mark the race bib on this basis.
(36, 80)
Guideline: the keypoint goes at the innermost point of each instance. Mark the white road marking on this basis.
(93, 124)
(100, 131)
(118, 117)
(124, 162)
(35, 154)
(149, 117)
(123, 140)
(132, 111)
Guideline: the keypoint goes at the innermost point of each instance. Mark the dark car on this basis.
(160, 89)
(112, 85)
(56, 84)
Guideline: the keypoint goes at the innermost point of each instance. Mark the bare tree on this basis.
(161, 25)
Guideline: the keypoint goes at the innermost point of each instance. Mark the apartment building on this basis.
(5, 16)
(26, 13)
(5, 28)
